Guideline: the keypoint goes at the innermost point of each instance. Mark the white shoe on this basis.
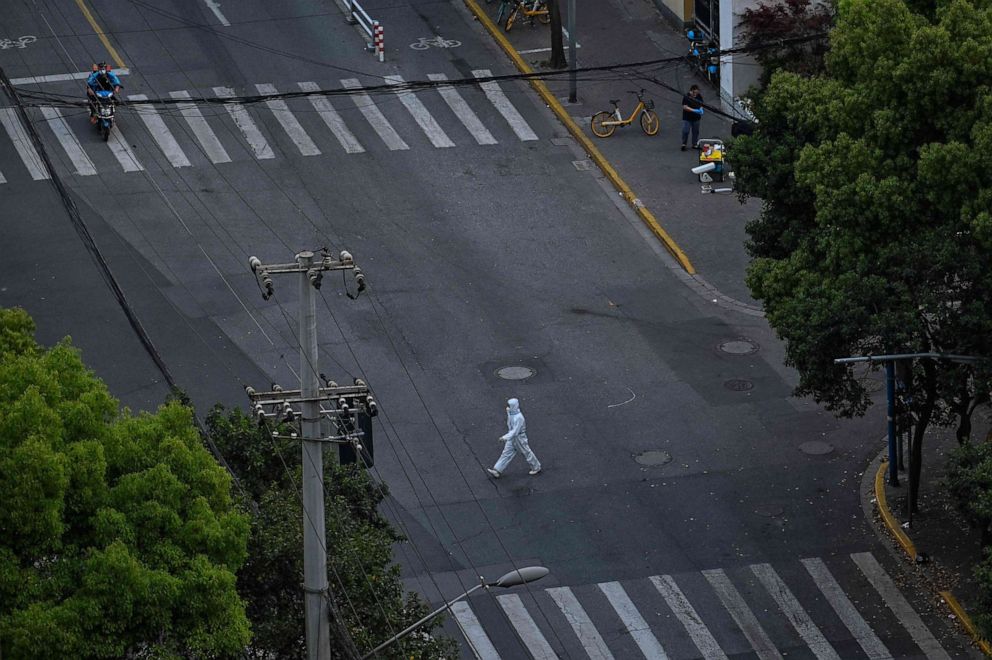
(493, 473)
(534, 472)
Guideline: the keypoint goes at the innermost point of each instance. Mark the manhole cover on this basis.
(741, 346)
(653, 457)
(816, 448)
(738, 385)
(515, 373)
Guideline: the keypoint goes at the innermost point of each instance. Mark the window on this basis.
(707, 17)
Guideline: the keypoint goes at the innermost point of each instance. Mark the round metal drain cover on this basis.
(739, 346)
(816, 448)
(653, 457)
(738, 385)
(515, 373)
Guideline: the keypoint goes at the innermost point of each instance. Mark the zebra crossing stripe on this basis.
(529, 633)
(498, 99)
(201, 129)
(845, 609)
(686, 613)
(374, 116)
(253, 136)
(3, 179)
(123, 153)
(588, 636)
(288, 121)
(742, 615)
(22, 143)
(472, 629)
(333, 120)
(633, 621)
(462, 110)
(421, 115)
(908, 617)
(84, 166)
(160, 132)
(794, 612)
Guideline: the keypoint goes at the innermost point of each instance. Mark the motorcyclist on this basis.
(102, 79)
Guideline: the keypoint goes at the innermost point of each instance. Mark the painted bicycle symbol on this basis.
(438, 42)
(22, 42)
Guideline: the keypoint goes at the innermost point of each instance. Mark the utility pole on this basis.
(305, 406)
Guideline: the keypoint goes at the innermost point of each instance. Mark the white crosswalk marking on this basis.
(498, 99)
(845, 609)
(201, 129)
(531, 635)
(3, 179)
(375, 118)
(122, 152)
(742, 615)
(421, 115)
(462, 110)
(472, 629)
(908, 617)
(686, 614)
(70, 144)
(633, 621)
(588, 636)
(288, 121)
(797, 616)
(160, 132)
(253, 136)
(333, 120)
(22, 144)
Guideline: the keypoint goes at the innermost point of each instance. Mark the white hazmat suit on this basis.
(515, 440)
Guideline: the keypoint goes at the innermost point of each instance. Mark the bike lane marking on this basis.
(502, 103)
(462, 110)
(22, 143)
(333, 120)
(423, 117)
(84, 166)
(288, 121)
(259, 146)
(161, 133)
(375, 118)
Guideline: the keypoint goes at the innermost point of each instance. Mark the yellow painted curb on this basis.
(966, 621)
(584, 140)
(890, 521)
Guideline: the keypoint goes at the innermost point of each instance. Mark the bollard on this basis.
(377, 40)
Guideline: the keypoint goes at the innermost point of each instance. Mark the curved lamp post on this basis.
(511, 579)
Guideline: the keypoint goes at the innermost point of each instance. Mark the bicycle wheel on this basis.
(511, 17)
(598, 128)
(544, 18)
(650, 122)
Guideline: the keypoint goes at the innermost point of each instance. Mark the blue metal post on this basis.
(890, 394)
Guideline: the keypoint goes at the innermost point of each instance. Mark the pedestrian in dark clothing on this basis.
(692, 112)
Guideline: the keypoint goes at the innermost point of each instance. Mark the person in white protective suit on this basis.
(515, 440)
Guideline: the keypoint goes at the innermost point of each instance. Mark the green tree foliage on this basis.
(970, 483)
(876, 229)
(118, 535)
(366, 590)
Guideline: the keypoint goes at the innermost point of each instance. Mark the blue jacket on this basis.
(93, 82)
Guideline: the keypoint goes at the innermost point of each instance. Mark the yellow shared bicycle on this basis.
(529, 9)
(605, 123)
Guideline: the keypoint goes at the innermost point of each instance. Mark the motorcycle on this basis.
(104, 107)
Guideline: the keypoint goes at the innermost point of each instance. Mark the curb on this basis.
(594, 154)
(907, 545)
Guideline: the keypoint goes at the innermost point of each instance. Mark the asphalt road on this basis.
(498, 250)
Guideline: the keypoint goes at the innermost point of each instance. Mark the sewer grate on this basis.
(515, 373)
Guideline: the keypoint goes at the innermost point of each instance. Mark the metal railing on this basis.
(357, 15)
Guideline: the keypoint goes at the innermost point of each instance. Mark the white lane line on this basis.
(214, 6)
(498, 99)
(22, 143)
(845, 609)
(122, 152)
(288, 121)
(531, 635)
(908, 617)
(462, 110)
(201, 129)
(472, 629)
(742, 615)
(333, 120)
(686, 613)
(60, 77)
(794, 612)
(259, 146)
(160, 132)
(421, 115)
(588, 636)
(375, 118)
(633, 621)
(67, 138)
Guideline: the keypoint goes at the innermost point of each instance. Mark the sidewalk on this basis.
(708, 228)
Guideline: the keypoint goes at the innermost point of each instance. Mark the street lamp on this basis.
(511, 579)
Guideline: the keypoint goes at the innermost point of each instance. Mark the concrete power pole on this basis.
(304, 406)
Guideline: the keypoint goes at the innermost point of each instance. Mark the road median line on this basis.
(118, 62)
(604, 165)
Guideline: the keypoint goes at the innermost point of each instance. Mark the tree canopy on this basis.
(875, 234)
(118, 534)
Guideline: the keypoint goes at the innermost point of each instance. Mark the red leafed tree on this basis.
(782, 20)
